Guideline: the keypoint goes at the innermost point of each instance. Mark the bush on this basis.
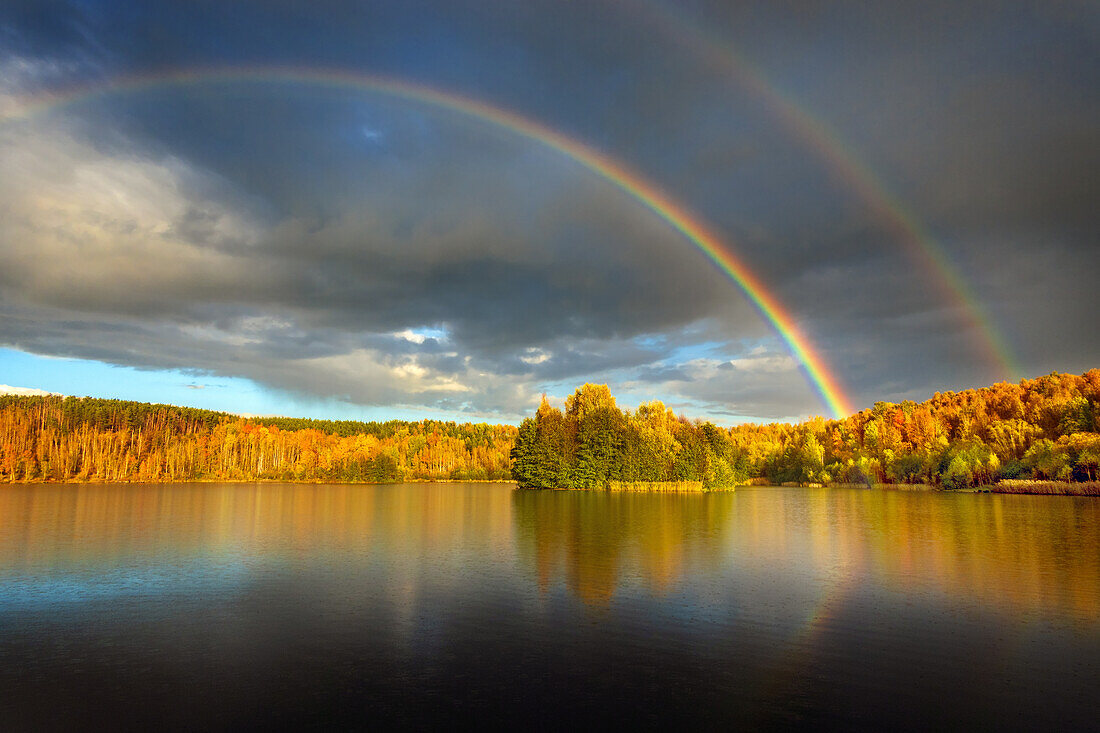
(958, 474)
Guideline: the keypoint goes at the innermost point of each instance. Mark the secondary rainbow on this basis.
(844, 163)
(645, 192)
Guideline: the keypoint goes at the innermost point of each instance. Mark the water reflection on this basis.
(71, 543)
(81, 523)
(252, 605)
(1019, 553)
(596, 539)
(1022, 554)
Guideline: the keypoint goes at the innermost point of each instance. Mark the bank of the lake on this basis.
(93, 481)
(1053, 488)
(1045, 488)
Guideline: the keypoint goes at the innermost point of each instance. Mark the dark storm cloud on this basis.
(53, 27)
(166, 270)
(287, 234)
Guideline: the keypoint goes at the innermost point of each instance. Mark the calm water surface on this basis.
(244, 605)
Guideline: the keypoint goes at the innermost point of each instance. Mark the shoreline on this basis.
(1013, 486)
(99, 481)
(1021, 487)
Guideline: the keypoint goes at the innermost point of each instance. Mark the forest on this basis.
(593, 444)
(80, 439)
(1042, 429)
(1047, 428)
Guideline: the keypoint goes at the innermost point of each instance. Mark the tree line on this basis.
(1046, 428)
(63, 439)
(593, 444)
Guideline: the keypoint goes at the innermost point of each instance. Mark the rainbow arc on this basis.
(645, 192)
(842, 162)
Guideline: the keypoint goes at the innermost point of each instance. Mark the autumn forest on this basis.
(1043, 429)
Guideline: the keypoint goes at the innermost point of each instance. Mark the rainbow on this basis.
(645, 192)
(844, 163)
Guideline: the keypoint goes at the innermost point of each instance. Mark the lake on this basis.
(349, 606)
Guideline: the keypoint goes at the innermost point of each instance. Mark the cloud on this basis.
(336, 242)
(142, 259)
(534, 356)
(24, 391)
(760, 383)
(758, 360)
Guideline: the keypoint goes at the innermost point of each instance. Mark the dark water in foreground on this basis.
(242, 605)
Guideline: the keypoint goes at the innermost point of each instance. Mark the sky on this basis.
(444, 210)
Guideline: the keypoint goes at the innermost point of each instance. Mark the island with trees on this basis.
(594, 445)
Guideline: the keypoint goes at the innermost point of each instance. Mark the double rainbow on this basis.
(644, 191)
(844, 163)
